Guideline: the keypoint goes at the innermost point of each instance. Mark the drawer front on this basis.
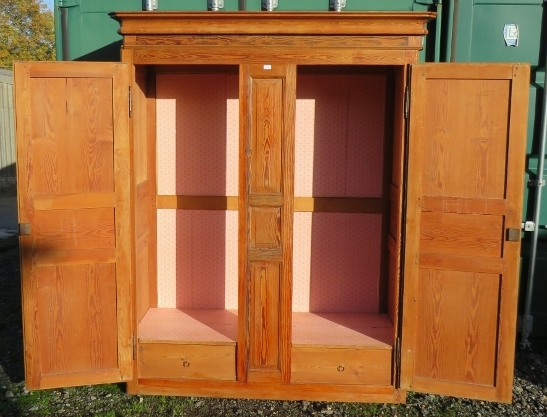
(341, 366)
(180, 361)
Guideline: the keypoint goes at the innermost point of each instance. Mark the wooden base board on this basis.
(264, 391)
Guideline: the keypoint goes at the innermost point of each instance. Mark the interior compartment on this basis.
(197, 145)
(343, 168)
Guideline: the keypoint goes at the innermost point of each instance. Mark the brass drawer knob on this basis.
(340, 368)
(185, 363)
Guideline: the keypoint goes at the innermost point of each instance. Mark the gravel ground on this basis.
(529, 399)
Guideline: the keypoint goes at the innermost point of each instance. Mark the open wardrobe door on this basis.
(74, 212)
(466, 161)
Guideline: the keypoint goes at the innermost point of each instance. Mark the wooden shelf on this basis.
(171, 325)
(340, 330)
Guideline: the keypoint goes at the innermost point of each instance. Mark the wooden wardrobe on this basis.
(271, 205)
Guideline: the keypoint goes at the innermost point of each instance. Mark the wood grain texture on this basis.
(341, 366)
(264, 324)
(462, 347)
(461, 279)
(142, 209)
(267, 96)
(69, 142)
(80, 109)
(75, 257)
(467, 130)
(103, 376)
(461, 234)
(265, 227)
(266, 135)
(261, 41)
(204, 55)
(163, 360)
(493, 206)
(286, 23)
(74, 229)
(77, 318)
(80, 200)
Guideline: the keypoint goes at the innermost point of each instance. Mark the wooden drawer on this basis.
(341, 365)
(183, 361)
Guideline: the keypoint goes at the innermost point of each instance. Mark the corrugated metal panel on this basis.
(7, 125)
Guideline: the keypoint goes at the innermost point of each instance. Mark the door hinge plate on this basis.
(407, 101)
(398, 360)
(134, 346)
(130, 102)
(24, 229)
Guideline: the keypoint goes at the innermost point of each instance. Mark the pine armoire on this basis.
(271, 205)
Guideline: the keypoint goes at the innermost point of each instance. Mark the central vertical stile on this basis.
(267, 94)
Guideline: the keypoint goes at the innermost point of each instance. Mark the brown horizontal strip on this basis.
(458, 389)
(470, 71)
(339, 204)
(275, 41)
(301, 56)
(287, 23)
(270, 200)
(102, 376)
(197, 69)
(492, 206)
(75, 257)
(66, 70)
(269, 255)
(462, 263)
(197, 202)
(74, 201)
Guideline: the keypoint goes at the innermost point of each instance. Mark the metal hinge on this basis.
(24, 229)
(130, 102)
(407, 101)
(536, 183)
(525, 324)
(134, 345)
(398, 358)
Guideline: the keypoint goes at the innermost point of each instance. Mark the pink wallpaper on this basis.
(197, 134)
(339, 135)
(336, 262)
(197, 259)
(339, 152)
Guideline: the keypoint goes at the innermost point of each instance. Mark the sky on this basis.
(49, 4)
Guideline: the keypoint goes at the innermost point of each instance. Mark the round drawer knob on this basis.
(185, 363)
(340, 368)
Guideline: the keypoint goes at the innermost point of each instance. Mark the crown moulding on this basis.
(273, 23)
